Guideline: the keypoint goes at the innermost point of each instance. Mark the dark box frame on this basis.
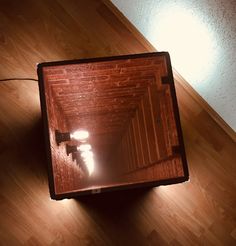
(121, 187)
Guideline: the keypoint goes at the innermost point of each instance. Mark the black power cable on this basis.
(8, 79)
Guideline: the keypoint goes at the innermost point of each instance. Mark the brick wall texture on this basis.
(128, 112)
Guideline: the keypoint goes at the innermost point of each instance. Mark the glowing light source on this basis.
(80, 135)
(85, 153)
(84, 147)
(88, 159)
(89, 162)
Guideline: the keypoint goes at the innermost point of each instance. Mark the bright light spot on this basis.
(90, 165)
(188, 40)
(84, 147)
(87, 154)
(89, 161)
(80, 135)
(65, 202)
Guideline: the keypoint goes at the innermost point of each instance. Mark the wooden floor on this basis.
(199, 212)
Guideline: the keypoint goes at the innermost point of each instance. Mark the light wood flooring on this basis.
(199, 212)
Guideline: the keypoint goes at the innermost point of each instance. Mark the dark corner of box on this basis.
(186, 174)
(53, 194)
(39, 67)
(167, 55)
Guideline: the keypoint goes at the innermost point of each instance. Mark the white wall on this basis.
(201, 38)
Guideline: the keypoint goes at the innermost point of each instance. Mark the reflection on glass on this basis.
(89, 161)
(119, 115)
(80, 135)
(84, 147)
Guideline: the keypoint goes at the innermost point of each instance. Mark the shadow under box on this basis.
(111, 123)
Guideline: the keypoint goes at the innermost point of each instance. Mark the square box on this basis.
(111, 123)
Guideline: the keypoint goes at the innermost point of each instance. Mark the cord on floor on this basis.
(8, 79)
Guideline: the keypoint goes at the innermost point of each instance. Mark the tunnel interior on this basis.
(126, 106)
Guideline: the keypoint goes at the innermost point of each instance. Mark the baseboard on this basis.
(150, 48)
(214, 115)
